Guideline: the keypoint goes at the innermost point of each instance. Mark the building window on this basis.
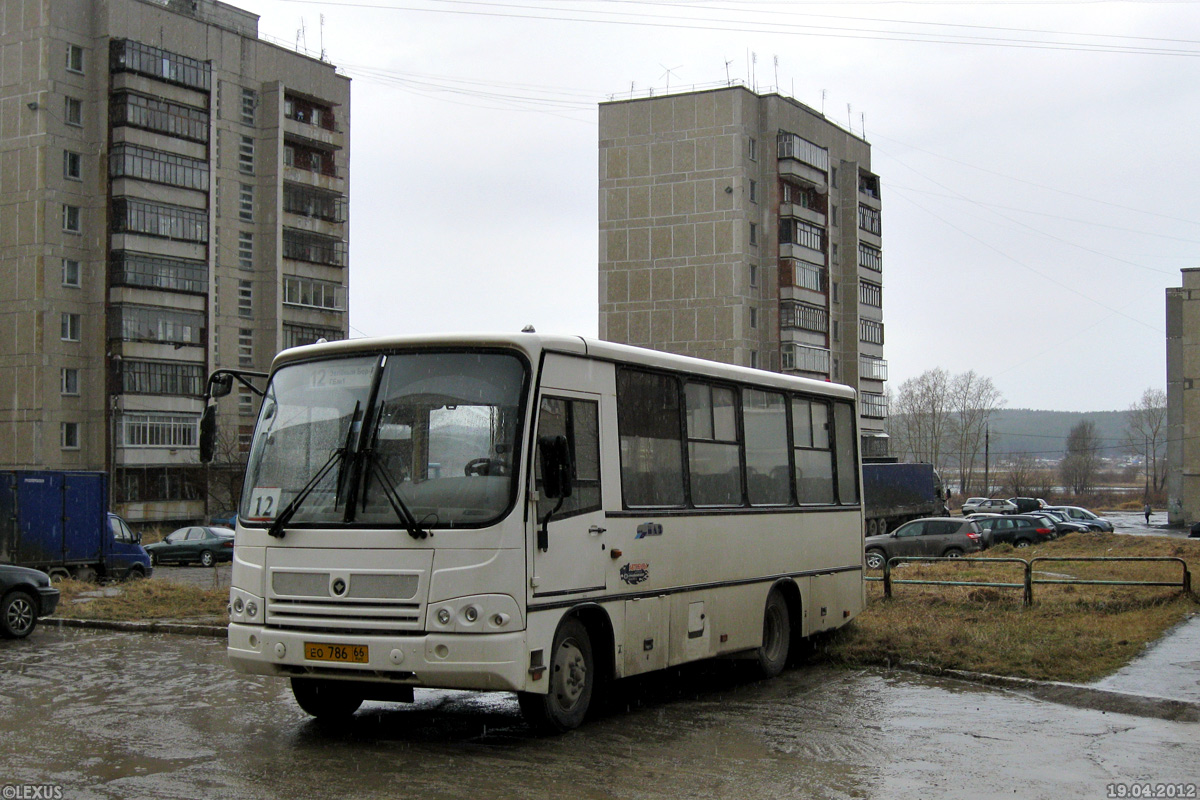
(157, 324)
(873, 405)
(794, 231)
(129, 56)
(752, 149)
(833, 216)
(160, 116)
(804, 358)
(870, 257)
(753, 317)
(310, 202)
(246, 155)
(868, 184)
(245, 299)
(245, 250)
(804, 317)
(753, 191)
(873, 368)
(245, 347)
(297, 335)
(69, 381)
(158, 430)
(312, 293)
(870, 331)
(792, 146)
(160, 377)
(870, 294)
(71, 274)
(804, 275)
(803, 196)
(754, 276)
(754, 359)
(869, 220)
(157, 166)
(249, 104)
(68, 433)
(74, 58)
(836, 330)
(308, 112)
(73, 115)
(128, 268)
(314, 248)
(835, 293)
(246, 202)
(309, 158)
(71, 219)
(159, 219)
(70, 327)
(754, 233)
(245, 401)
(72, 166)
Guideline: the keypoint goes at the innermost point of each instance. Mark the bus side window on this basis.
(844, 441)
(579, 422)
(648, 423)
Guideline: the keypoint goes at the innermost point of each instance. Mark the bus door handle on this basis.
(596, 530)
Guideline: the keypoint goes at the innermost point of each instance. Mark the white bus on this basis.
(536, 514)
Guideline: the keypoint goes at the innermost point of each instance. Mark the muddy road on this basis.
(117, 715)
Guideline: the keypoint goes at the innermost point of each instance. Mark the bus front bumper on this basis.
(487, 662)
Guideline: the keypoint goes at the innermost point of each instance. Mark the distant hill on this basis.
(1043, 434)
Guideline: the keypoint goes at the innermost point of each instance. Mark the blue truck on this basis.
(58, 522)
(894, 493)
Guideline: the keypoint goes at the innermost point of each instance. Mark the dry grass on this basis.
(1071, 633)
(143, 600)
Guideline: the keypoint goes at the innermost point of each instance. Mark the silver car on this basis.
(933, 537)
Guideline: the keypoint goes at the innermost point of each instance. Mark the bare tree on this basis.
(226, 472)
(1020, 472)
(921, 416)
(1082, 462)
(973, 400)
(1146, 435)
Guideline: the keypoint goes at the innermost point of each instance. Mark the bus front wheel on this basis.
(572, 681)
(325, 700)
(777, 636)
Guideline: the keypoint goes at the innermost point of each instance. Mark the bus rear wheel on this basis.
(572, 682)
(772, 655)
(325, 700)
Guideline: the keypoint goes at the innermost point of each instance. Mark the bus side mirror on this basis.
(220, 386)
(208, 433)
(555, 460)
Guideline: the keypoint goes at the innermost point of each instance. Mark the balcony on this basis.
(314, 248)
(875, 369)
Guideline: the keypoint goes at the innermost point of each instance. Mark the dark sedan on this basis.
(26, 595)
(935, 537)
(204, 545)
(1019, 530)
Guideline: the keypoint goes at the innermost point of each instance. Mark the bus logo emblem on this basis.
(649, 529)
(635, 573)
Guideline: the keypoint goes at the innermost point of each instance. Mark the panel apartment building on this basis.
(744, 228)
(1183, 400)
(172, 199)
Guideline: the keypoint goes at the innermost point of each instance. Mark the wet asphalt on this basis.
(117, 715)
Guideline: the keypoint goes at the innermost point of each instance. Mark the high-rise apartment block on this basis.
(1183, 400)
(172, 199)
(744, 228)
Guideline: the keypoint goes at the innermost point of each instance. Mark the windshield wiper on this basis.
(389, 491)
(285, 516)
(339, 457)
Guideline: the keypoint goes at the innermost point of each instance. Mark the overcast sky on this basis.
(1038, 163)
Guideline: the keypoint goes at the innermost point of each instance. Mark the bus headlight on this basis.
(488, 613)
(245, 607)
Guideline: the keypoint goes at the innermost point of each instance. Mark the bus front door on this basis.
(571, 557)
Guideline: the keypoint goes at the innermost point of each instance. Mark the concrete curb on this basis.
(187, 629)
(1072, 694)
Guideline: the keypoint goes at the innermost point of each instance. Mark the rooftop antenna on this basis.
(863, 123)
(322, 37)
(849, 118)
(668, 72)
(631, 85)
(728, 80)
(754, 71)
(777, 73)
(300, 38)
(822, 102)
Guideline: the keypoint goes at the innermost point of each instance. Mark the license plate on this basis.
(341, 653)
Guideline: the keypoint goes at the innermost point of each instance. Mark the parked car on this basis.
(1026, 504)
(205, 545)
(1062, 523)
(1077, 514)
(1019, 530)
(971, 505)
(995, 505)
(25, 595)
(933, 537)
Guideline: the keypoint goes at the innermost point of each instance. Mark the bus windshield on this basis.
(430, 437)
